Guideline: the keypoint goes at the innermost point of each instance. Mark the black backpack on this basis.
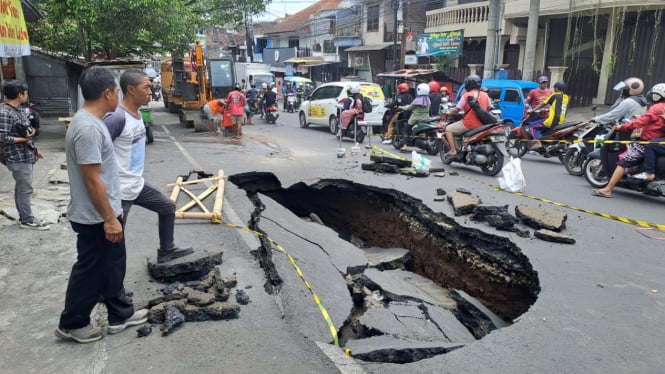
(367, 105)
(483, 115)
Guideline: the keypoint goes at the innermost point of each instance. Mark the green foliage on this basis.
(119, 28)
(443, 61)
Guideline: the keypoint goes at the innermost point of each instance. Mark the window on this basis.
(511, 96)
(373, 18)
(328, 46)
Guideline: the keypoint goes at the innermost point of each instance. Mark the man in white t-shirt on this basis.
(128, 133)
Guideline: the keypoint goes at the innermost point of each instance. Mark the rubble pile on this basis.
(195, 301)
(548, 223)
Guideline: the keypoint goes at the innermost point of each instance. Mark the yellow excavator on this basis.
(188, 85)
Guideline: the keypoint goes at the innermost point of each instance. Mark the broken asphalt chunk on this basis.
(463, 203)
(192, 267)
(541, 218)
(552, 236)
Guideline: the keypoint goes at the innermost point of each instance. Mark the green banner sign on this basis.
(446, 43)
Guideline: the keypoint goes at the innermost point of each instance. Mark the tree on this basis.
(118, 28)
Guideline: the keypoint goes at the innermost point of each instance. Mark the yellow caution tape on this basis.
(317, 300)
(629, 221)
(380, 151)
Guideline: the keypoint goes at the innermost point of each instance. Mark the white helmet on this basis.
(264, 85)
(657, 93)
(422, 89)
(354, 88)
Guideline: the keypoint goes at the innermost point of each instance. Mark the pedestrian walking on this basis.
(128, 134)
(95, 214)
(18, 151)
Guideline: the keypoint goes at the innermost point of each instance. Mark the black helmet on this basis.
(560, 86)
(472, 82)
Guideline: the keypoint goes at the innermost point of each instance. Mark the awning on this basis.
(371, 47)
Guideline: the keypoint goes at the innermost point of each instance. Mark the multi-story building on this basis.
(600, 42)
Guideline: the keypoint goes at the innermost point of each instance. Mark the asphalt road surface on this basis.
(600, 309)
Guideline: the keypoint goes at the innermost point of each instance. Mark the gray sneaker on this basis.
(87, 334)
(34, 226)
(139, 317)
(166, 255)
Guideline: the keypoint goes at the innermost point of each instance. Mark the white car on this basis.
(320, 107)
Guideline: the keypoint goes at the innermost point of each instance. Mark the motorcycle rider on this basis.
(631, 102)
(260, 98)
(539, 95)
(403, 98)
(434, 98)
(652, 124)
(558, 103)
(353, 105)
(300, 94)
(419, 107)
(270, 96)
(470, 121)
(286, 90)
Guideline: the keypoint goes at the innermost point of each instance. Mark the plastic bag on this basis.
(420, 162)
(513, 179)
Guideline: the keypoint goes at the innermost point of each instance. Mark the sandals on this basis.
(596, 192)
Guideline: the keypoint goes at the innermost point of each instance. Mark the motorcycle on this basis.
(425, 135)
(556, 140)
(32, 114)
(391, 110)
(599, 166)
(587, 139)
(299, 98)
(290, 102)
(484, 146)
(156, 90)
(272, 113)
(357, 129)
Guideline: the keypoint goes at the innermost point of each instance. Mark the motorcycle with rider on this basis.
(478, 138)
(631, 103)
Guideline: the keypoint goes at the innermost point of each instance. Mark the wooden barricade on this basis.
(197, 200)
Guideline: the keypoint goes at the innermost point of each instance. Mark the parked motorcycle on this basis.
(555, 141)
(291, 102)
(32, 114)
(272, 113)
(424, 135)
(484, 146)
(599, 166)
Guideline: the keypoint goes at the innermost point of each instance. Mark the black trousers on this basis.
(97, 275)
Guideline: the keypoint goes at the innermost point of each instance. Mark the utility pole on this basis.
(249, 37)
(493, 23)
(396, 8)
(531, 36)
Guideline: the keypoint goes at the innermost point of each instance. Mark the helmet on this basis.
(300, 85)
(633, 85)
(264, 85)
(354, 88)
(288, 83)
(236, 85)
(402, 87)
(560, 86)
(434, 86)
(472, 82)
(443, 89)
(422, 89)
(484, 89)
(657, 93)
(543, 78)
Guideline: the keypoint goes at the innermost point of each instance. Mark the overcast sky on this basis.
(278, 8)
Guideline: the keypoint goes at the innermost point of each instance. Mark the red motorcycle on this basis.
(555, 141)
(272, 113)
(483, 147)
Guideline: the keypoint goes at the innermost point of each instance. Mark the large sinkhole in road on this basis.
(489, 268)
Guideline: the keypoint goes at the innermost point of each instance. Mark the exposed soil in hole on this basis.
(488, 267)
